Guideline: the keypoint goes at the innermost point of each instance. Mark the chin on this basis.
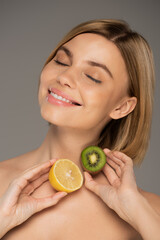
(52, 117)
(62, 119)
(47, 116)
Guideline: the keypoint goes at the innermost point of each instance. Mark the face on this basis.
(83, 84)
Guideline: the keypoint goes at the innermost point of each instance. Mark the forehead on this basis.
(94, 47)
(92, 44)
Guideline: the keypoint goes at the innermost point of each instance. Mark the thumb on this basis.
(101, 190)
(91, 184)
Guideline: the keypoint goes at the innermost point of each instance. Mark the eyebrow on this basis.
(91, 63)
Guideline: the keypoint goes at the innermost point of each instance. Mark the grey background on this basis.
(29, 31)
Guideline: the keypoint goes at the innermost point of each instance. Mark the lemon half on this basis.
(65, 176)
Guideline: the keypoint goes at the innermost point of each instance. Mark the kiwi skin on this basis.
(88, 170)
(91, 172)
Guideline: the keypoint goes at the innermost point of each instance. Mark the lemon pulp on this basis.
(65, 175)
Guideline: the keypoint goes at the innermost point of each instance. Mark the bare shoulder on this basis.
(153, 199)
(7, 166)
(12, 167)
(8, 169)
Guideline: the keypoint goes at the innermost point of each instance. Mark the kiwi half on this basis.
(93, 159)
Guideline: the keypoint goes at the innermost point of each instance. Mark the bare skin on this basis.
(79, 215)
(82, 214)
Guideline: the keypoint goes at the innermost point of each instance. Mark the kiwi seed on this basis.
(93, 159)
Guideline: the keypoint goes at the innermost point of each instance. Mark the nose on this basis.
(68, 78)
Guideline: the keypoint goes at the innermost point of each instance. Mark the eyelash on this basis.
(93, 79)
(60, 63)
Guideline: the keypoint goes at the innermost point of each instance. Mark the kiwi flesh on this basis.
(93, 159)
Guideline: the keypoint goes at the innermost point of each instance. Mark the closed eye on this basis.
(60, 63)
(93, 79)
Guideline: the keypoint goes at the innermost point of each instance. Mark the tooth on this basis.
(59, 97)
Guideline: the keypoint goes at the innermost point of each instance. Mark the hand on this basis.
(121, 191)
(17, 204)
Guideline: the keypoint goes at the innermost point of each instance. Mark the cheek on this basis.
(99, 96)
(43, 79)
(46, 79)
(42, 88)
(48, 74)
(103, 99)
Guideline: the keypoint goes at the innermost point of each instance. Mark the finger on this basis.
(114, 162)
(127, 175)
(122, 157)
(39, 174)
(114, 166)
(106, 150)
(41, 164)
(43, 203)
(32, 173)
(111, 156)
(126, 165)
(90, 183)
(127, 169)
(21, 182)
(93, 185)
(111, 175)
(35, 184)
(101, 190)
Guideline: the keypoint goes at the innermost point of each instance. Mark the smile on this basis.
(61, 99)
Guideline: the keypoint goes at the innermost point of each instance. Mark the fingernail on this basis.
(87, 176)
(53, 160)
(106, 150)
(62, 194)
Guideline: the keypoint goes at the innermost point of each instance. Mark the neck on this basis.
(68, 143)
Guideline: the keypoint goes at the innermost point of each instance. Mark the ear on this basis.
(124, 108)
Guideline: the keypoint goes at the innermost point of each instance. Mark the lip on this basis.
(64, 95)
(53, 100)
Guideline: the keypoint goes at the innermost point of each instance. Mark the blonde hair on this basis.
(131, 133)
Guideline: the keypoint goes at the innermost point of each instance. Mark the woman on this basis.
(96, 88)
